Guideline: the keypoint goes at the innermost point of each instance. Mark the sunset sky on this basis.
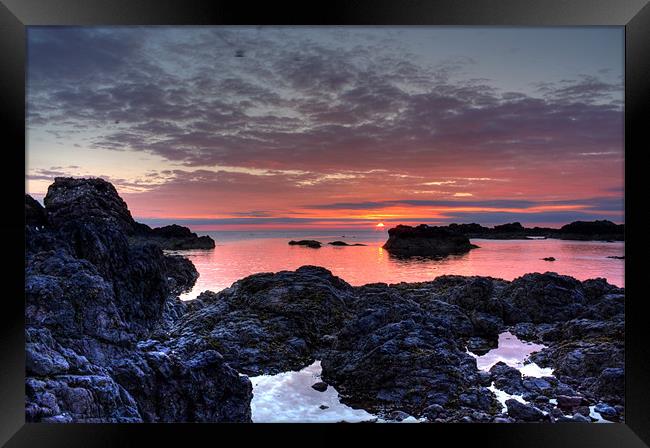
(262, 127)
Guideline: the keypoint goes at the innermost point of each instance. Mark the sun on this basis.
(380, 225)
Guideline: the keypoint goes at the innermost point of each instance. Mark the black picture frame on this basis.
(15, 15)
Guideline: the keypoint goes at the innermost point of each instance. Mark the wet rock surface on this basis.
(92, 296)
(268, 323)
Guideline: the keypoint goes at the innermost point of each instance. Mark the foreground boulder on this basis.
(268, 323)
(92, 296)
(426, 241)
(396, 356)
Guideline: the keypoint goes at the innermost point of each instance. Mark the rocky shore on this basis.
(109, 341)
(403, 348)
(94, 297)
(579, 230)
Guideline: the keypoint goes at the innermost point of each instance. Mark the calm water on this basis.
(239, 254)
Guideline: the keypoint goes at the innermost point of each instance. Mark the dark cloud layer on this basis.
(301, 105)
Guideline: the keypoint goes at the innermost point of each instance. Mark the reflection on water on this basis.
(502, 396)
(513, 352)
(238, 255)
(289, 397)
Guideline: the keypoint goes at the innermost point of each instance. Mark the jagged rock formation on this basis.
(91, 296)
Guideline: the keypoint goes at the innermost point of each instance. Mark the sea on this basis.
(239, 254)
(288, 396)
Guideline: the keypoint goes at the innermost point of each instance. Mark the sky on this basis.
(227, 128)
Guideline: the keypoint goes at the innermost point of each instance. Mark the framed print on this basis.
(416, 217)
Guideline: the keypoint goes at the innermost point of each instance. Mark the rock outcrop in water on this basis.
(93, 298)
(308, 243)
(426, 241)
(173, 237)
(343, 243)
(592, 230)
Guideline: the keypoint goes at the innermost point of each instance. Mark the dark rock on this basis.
(507, 378)
(580, 418)
(616, 257)
(268, 323)
(586, 359)
(610, 384)
(396, 356)
(175, 237)
(433, 411)
(322, 406)
(398, 416)
(34, 212)
(537, 385)
(548, 297)
(309, 243)
(524, 412)
(181, 274)
(549, 259)
(320, 386)
(593, 230)
(91, 294)
(480, 346)
(343, 243)
(578, 230)
(199, 389)
(70, 200)
(514, 227)
(607, 412)
(426, 241)
(566, 402)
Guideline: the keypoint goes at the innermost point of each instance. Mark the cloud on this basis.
(298, 104)
(598, 203)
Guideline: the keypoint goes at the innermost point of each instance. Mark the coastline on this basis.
(108, 340)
